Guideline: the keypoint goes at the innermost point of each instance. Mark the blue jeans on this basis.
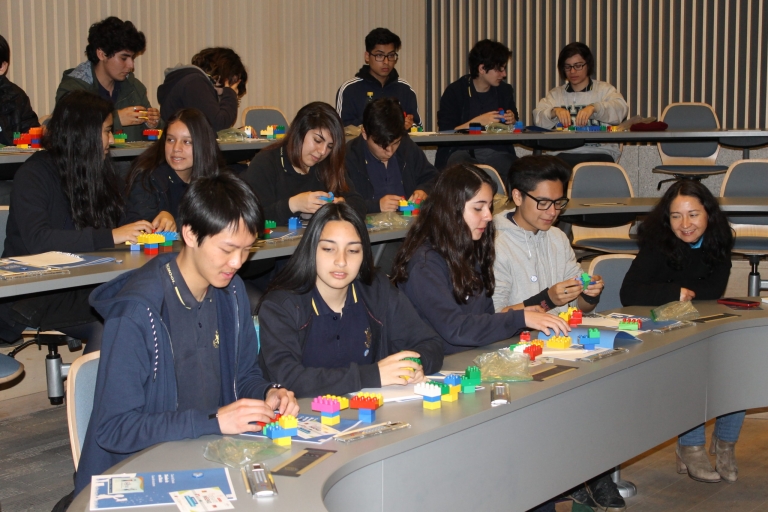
(727, 429)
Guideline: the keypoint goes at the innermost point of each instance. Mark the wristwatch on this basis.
(274, 385)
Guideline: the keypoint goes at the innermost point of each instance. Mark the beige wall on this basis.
(296, 51)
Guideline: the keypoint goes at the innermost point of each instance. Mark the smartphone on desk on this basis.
(742, 303)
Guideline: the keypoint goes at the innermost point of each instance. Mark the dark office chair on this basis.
(261, 117)
(596, 180)
(689, 160)
(749, 178)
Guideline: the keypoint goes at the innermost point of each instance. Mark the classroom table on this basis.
(553, 435)
(126, 260)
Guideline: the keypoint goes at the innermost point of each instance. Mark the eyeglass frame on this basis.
(568, 67)
(552, 202)
(379, 57)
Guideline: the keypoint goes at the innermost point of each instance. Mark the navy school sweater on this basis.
(352, 96)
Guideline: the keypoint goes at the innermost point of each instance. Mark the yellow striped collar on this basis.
(354, 297)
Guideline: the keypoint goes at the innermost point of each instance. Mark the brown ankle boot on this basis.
(694, 461)
(726, 459)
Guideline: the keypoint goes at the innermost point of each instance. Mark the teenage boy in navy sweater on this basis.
(377, 79)
(179, 357)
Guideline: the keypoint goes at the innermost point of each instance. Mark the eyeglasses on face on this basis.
(578, 66)
(544, 204)
(392, 57)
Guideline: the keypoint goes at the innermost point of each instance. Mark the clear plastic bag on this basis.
(237, 452)
(679, 310)
(387, 220)
(504, 366)
(499, 128)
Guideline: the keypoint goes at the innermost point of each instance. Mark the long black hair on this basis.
(656, 230)
(300, 274)
(88, 177)
(207, 159)
(441, 223)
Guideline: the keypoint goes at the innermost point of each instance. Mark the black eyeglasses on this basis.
(578, 66)
(392, 57)
(544, 204)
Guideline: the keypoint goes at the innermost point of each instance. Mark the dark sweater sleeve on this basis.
(449, 114)
(511, 104)
(32, 196)
(221, 111)
(250, 380)
(142, 204)
(262, 175)
(346, 107)
(711, 287)
(430, 291)
(425, 172)
(641, 286)
(280, 334)
(354, 199)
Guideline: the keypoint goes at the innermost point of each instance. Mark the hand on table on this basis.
(130, 232)
(544, 322)
(563, 116)
(686, 294)
(283, 401)
(307, 202)
(242, 415)
(395, 370)
(582, 118)
(389, 203)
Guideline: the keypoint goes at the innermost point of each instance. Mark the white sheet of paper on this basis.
(48, 258)
(394, 393)
(201, 500)
(569, 354)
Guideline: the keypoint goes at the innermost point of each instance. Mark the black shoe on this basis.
(606, 494)
(582, 497)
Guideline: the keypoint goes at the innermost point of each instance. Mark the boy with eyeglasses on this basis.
(377, 79)
(478, 98)
(535, 265)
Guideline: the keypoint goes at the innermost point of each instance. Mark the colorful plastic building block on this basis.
(559, 342)
(324, 404)
(281, 431)
(294, 223)
(366, 401)
(120, 138)
(585, 280)
(475, 128)
(630, 324)
(525, 336)
(533, 351)
(576, 318)
(279, 132)
(431, 394)
(343, 401)
(152, 134)
(366, 415)
(270, 224)
(473, 373)
(452, 380)
(593, 332)
(330, 418)
(518, 127)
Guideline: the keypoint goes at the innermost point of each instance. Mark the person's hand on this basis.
(509, 117)
(232, 86)
(241, 416)
(686, 294)
(395, 370)
(487, 118)
(544, 322)
(418, 194)
(137, 114)
(389, 203)
(535, 309)
(563, 116)
(130, 232)
(164, 222)
(153, 117)
(595, 287)
(408, 122)
(564, 292)
(283, 401)
(582, 118)
(307, 202)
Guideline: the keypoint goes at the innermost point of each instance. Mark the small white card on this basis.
(201, 500)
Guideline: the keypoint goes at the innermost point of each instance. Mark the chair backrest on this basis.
(600, 179)
(747, 178)
(689, 116)
(490, 171)
(612, 268)
(595, 180)
(261, 117)
(81, 387)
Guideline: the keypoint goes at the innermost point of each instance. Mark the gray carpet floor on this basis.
(35, 461)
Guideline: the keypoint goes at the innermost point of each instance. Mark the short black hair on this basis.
(575, 49)
(381, 36)
(527, 172)
(491, 54)
(383, 121)
(5, 51)
(112, 35)
(215, 203)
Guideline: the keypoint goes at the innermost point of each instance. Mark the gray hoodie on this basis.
(527, 263)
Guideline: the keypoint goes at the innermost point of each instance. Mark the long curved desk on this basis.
(554, 435)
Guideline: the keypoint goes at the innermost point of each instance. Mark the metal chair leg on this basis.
(626, 488)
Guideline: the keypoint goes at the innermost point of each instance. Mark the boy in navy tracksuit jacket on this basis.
(377, 79)
(155, 375)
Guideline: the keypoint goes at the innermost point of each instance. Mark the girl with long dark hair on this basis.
(685, 254)
(66, 198)
(445, 265)
(187, 150)
(330, 324)
(296, 175)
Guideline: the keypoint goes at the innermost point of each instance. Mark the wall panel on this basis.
(296, 51)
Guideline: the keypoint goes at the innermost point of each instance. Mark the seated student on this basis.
(187, 150)
(113, 44)
(330, 324)
(377, 79)
(477, 98)
(384, 163)
(535, 265)
(179, 356)
(297, 174)
(445, 266)
(16, 114)
(66, 198)
(214, 84)
(582, 101)
(685, 254)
